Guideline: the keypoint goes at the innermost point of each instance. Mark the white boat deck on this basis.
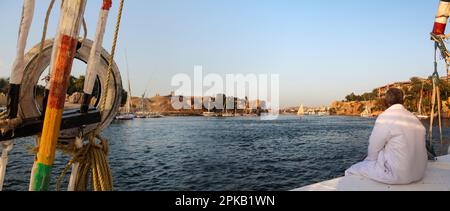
(437, 178)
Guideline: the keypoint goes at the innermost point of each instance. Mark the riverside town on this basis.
(208, 103)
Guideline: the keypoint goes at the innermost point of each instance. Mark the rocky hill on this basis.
(355, 108)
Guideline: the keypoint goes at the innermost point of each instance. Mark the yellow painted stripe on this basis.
(50, 134)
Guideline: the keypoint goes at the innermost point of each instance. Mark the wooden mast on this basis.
(65, 47)
(129, 84)
(421, 100)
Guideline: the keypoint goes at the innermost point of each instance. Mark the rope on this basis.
(439, 43)
(93, 164)
(85, 31)
(113, 52)
(44, 31)
(436, 99)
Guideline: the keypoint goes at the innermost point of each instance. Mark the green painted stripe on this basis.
(42, 177)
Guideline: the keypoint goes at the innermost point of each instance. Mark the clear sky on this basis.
(322, 50)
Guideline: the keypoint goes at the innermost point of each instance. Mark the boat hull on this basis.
(125, 117)
(210, 114)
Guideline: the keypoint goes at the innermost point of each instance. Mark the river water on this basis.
(216, 154)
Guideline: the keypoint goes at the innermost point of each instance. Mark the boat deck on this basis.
(437, 178)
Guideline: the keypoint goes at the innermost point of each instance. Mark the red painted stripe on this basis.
(439, 28)
(107, 4)
(61, 73)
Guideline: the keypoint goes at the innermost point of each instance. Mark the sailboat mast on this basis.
(129, 84)
(421, 100)
(143, 101)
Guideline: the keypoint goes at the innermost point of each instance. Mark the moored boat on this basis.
(301, 111)
(155, 115)
(227, 114)
(210, 114)
(422, 117)
(125, 117)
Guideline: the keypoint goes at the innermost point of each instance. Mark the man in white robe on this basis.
(397, 147)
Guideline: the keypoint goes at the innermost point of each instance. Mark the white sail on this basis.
(367, 113)
(301, 111)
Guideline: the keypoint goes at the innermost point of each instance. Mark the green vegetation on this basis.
(364, 97)
(124, 98)
(4, 83)
(75, 85)
(412, 91)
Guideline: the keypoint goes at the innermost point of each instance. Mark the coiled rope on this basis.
(93, 169)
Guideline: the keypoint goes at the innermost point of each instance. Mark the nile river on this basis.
(212, 154)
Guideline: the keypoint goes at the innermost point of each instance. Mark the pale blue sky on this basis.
(322, 50)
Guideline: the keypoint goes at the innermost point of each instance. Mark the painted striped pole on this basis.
(94, 57)
(65, 43)
(442, 17)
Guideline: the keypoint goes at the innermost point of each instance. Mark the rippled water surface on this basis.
(198, 153)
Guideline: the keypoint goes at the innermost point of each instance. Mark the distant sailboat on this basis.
(142, 114)
(209, 113)
(236, 105)
(225, 108)
(155, 115)
(420, 114)
(323, 112)
(367, 113)
(128, 115)
(301, 111)
(227, 114)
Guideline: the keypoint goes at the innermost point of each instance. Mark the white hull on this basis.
(125, 117)
(436, 179)
(227, 115)
(323, 114)
(210, 114)
(422, 117)
(155, 116)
